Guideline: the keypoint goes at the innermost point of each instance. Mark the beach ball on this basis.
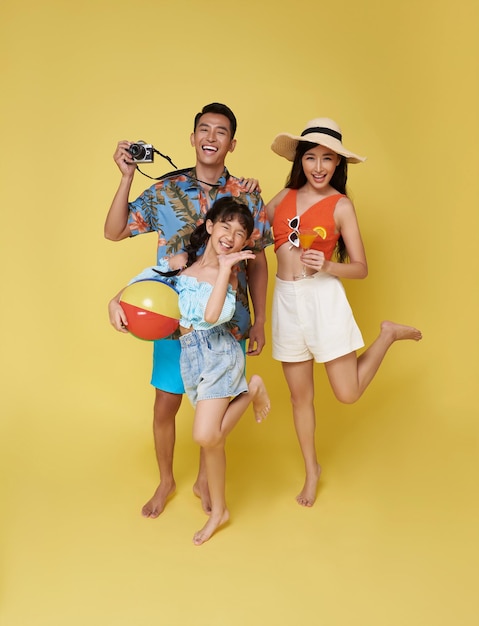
(151, 308)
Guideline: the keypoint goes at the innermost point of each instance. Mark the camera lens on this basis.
(137, 151)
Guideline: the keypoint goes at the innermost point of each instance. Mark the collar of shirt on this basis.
(194, 181)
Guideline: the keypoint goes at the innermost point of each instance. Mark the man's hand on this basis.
(256, 340)
(123, 159)
(117, 316)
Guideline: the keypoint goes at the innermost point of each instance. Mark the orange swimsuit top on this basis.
(319, 214)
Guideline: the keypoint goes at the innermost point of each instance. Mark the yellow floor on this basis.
(389, 541)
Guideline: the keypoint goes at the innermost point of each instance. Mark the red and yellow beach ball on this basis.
(151, 308)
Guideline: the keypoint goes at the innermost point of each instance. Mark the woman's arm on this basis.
(270, 208)
(347, 224)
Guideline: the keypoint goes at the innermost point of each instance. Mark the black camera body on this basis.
(141, 152)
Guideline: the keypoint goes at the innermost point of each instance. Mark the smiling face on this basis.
(319, 164)
(212, 139)
(227, 237)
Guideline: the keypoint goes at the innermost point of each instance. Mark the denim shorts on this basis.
(212, 364)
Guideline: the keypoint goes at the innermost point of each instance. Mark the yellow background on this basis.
(392, 539)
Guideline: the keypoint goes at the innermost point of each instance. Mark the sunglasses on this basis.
(293, 236)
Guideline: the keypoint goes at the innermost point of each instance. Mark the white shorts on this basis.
(312, 318)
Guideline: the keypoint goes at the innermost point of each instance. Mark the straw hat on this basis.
(322, 131)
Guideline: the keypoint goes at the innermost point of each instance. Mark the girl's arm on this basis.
(216, 301)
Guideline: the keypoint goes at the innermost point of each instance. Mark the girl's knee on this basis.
(207, 439)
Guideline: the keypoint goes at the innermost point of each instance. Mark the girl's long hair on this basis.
(223, 210)
(297, 179)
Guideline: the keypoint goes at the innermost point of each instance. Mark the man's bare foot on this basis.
(214, 522)
(307, 496)
(260, 398)
(201, 491)
(155, 506)
(400, 331)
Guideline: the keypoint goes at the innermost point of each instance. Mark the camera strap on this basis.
(164, 157)
(177, 172)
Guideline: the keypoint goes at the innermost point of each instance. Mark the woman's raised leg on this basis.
(350, 375)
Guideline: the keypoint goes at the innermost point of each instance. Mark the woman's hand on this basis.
(250, 185)
(314, 259)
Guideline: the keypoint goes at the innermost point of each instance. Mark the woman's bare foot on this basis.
(214, 522)
(155, 506)
(201, 491)
(307, 496)
(260, 398)
(400, 331)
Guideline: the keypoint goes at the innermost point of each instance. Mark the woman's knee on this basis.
(346, 396)
(301, 397)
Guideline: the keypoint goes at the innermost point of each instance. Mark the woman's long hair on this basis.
(297, 179)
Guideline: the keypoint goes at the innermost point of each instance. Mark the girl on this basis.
(311, 317)
(212, 361)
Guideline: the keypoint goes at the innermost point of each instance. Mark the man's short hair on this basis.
(220, 109)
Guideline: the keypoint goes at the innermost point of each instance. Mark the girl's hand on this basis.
(228, 260)
(250, 184)
(117, 316)
(313, 259)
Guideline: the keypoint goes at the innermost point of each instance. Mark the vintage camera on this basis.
(141, 152)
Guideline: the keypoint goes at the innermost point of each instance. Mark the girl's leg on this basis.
(214, 420)
(350, 375)
(257, 395)
(207, 433)
(299, 377)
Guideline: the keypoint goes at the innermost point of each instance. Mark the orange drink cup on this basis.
(306, 239)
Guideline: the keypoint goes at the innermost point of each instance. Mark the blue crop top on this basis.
(192, 297)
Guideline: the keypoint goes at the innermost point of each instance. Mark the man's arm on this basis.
(257, 273)
(116, 223)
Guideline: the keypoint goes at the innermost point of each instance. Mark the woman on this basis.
(312, 319)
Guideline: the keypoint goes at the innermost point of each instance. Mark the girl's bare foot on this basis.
(260, 398)
(214, 522)
(155, 506)
(201, 491)
(400, 331)
(307, 496)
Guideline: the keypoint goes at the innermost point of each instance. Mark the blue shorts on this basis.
(166, 366)
(212, 365)
(166, 374)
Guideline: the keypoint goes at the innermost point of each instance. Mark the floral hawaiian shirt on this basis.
(175, 205)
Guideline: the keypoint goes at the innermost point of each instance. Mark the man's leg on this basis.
(166, 378)
(164, 413)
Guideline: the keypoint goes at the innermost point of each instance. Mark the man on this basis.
(172, 207)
